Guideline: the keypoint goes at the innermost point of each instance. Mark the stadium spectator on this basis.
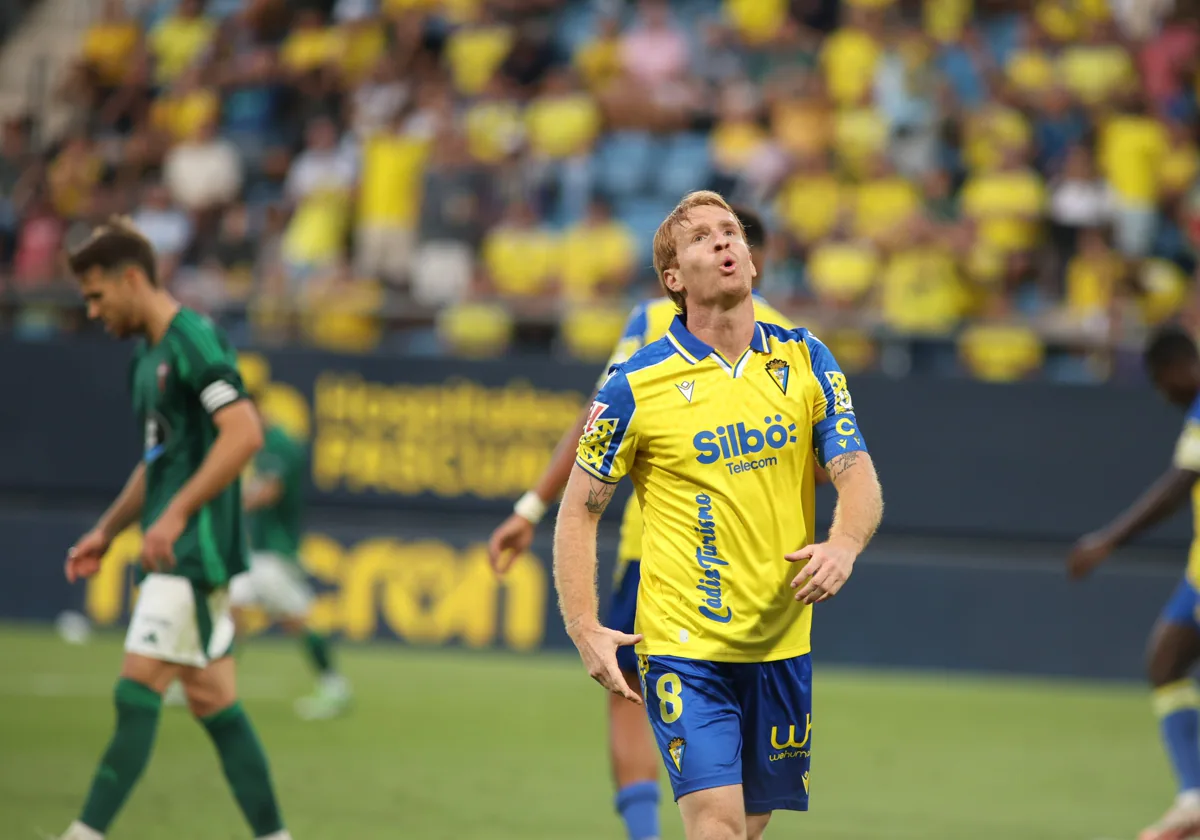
(180, 40)
(204, 171)
(976, 146)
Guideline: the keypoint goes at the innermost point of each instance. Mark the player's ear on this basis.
(671, 280)
(128, 275)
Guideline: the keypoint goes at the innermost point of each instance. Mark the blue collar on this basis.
(695, 350)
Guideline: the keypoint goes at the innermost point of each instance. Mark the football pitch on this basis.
(473, 746)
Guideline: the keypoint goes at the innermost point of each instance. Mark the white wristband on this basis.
(530, 507)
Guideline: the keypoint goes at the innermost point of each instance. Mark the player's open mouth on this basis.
(728, 265)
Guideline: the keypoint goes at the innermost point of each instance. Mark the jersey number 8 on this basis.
(670, 704)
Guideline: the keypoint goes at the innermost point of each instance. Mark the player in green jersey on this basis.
(199, 434)
(274, 501)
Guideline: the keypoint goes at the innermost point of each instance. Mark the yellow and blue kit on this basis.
(722, 456)
(1184, 605)
(647, 322)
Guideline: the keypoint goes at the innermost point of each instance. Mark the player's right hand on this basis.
(598, 648)
(1088, 553)
(509, 541)
(83, 558)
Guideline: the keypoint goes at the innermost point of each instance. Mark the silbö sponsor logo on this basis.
(713, 607)
(737, 445)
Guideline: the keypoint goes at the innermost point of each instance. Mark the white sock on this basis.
(79, 831)
(278, 835)
(334, 682)
(1189, 798)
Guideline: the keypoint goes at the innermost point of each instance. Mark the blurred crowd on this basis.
(1005, 189)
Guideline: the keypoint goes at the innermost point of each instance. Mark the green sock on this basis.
(245, 766)
(128, 752)
(319, 651)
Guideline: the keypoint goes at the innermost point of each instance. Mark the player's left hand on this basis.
(1088, 553)
(598, 649)
(158, 544)
(828, 567)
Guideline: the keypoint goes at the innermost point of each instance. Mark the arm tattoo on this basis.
(599, 495)
(840, 464)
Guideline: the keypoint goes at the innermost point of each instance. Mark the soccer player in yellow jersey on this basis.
(633, 755)
(720, 425)
(1173, 363)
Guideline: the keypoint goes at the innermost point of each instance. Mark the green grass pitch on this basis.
(470, 746)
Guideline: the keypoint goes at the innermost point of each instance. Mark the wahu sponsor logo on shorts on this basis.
(790, 747)
(740, 447)
(713, 607)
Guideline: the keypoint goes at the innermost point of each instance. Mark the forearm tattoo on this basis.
(840, 464)
(599, 495)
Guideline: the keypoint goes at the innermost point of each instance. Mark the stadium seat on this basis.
(685, 165)
(576, 25)
(643, 216)
(623, 163)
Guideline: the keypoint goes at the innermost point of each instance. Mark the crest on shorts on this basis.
(675, 750)
(780, 372)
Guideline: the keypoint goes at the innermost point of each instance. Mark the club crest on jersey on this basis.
(687, 389)
(780, 372)
(163, 371)
(675, 750)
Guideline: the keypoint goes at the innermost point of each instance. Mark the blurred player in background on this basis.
(633, 756)
(717, 424)
(1173, 364)
(275, 582)
(199, 433)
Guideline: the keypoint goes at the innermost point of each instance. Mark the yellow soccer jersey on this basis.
(722, 458)
(1187, 457)
(648, 322)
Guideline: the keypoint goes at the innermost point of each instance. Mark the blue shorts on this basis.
(724, 723)
(1183, 607)
(622, 610)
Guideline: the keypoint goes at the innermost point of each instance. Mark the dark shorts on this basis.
(722, 723)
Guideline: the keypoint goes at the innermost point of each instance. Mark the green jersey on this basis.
(177, 386)
(277, 528)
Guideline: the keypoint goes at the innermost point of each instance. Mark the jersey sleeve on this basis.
(835, 428)
(633, 338)
(609, 439)
(1187, 448)
(207, 368)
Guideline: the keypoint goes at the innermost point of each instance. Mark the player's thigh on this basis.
(631, 743)
(152, 673)
(776, 704)
(1175, 641)
(756, 824)
(713, 814)
(695, 719)
(211, 688)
